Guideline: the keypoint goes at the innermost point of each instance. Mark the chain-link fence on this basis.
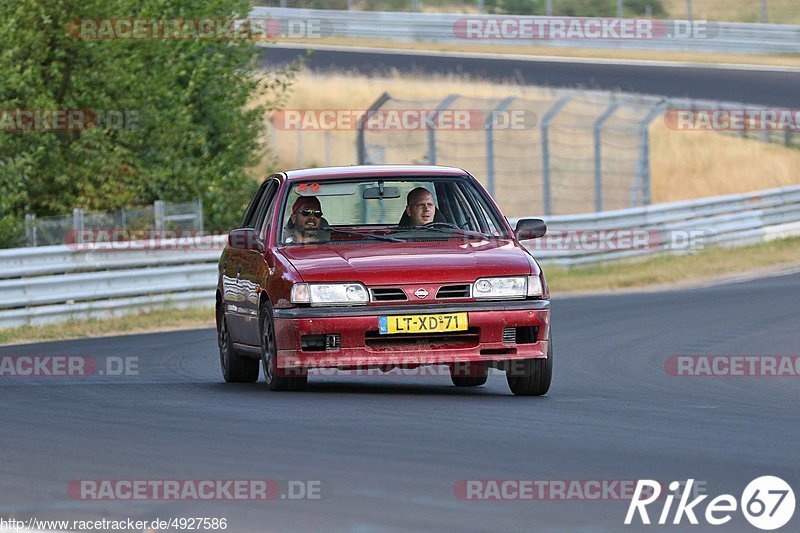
(552, 152)
(161, 216)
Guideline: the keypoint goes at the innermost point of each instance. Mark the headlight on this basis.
(329, 294)
(500, 288)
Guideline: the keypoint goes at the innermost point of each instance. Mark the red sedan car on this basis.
(381, 267)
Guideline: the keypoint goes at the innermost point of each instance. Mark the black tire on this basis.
(531, 377)
(269, 352)
(469, 375)
(235, 368)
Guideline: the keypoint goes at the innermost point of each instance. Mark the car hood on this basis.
(399, 263)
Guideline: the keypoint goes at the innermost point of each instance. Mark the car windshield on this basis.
(389, 210)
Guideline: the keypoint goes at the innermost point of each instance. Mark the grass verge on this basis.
(657, 272)
(151, 321)
(677, 270)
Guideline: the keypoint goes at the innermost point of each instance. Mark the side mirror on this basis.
(245, 239)
(530, 228)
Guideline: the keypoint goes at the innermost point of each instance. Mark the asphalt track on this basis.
(390, 449)
(761, 87)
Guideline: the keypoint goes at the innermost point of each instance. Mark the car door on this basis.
(253, 270)
(234, 289)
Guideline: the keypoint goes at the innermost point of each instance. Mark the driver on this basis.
(420, 207)
(306, 220)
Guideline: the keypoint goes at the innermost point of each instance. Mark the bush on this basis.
(196, 132)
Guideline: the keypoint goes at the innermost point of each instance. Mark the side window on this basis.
(271, 203)
(264, 205)
(252, 208)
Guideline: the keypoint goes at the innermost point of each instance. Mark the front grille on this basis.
(432, 341)
(509, 335)
(453, 291)
(392, 294)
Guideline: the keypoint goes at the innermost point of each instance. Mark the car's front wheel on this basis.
(531, 377)
(467, 375)
(275, 377)
(235, 368)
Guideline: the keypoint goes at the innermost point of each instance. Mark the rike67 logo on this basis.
(767, 503)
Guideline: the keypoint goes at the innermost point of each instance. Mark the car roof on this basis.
(368, 171)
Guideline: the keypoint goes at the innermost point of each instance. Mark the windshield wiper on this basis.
(448, 228)
(357, 233)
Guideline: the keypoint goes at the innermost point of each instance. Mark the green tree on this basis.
(196, 130)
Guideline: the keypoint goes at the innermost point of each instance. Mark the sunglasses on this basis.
(308, 212)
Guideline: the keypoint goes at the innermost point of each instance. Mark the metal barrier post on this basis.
(30, 229)
(443, 105)
(77, 224)
(598, 157)
(158, 214)
(642, 178)
(488, 123)
(551, 114)
(199, 214)
(361, 147)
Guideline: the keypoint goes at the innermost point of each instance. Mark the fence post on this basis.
(549, 116)
(158, 214)
(444, 104)
(480, 6)
(77, 224)
(598, 157)
(620, 10)
(642, 178)
(361, 146)
(488, 123)
(199, 216)
(300, 157)
(764, 17)
(327, 135)
(30, 229)
(689, 15)
(548, 9)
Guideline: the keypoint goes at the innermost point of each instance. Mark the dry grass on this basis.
(672, 270)
(161, 320)
(685, 165)
(558, 51)
(778, 11)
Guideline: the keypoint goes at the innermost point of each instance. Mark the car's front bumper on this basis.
(361, 346)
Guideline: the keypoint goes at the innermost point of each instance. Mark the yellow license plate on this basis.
(423, 323)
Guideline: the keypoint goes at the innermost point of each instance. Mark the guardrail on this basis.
(446, 28)
(57, 283)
